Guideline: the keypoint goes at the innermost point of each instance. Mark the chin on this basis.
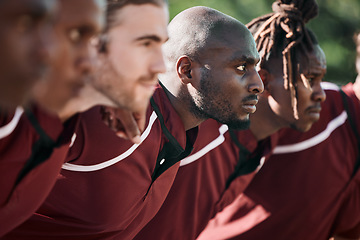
(302, 128)
(137, 106)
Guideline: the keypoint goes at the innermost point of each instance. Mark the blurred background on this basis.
(335, 26)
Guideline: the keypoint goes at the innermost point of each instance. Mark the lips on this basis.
(250, 105)
(149, 84)
(314, 112)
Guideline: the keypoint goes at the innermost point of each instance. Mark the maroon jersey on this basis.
(25, 184)
(309, 188)
(201, 181)
(110, 188)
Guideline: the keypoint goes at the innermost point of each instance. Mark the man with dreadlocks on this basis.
(200, 186)
(310, 187)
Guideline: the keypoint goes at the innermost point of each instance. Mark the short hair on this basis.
(284, 32)
(114, 5)
(193, 31)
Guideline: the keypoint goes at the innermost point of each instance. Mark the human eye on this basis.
(313, 80)
(146, 43)
(241, 68)
(74, 35)
(80, 34)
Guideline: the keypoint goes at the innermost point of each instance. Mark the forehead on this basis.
(315, 63)
(236, 46)
(34, 7)
(144, 19)
(92, 12)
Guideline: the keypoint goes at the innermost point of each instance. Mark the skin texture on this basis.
(211, 68)
(133, 55)
(275, 102)
(72, 65)
(357, 82)
(27, 44)
(357, 41)
(126, 69)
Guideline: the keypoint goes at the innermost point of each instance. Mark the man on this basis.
(309, 187)
(72, 67)
(110, 188)
(27, 43)
(27, 140)
(323, 165)
(220, 169)
(137, 51)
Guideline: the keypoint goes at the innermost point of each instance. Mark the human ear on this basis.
(183, 68)
(266, 77)
(101, 43)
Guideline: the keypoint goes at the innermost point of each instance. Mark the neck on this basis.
(181, 107)
(264, 122)
(356, 87)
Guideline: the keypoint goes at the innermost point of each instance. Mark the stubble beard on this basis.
(205, 105)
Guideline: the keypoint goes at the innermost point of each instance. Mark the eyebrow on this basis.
(315, 75)
(243, 58)
(154, 38)
(89, 29)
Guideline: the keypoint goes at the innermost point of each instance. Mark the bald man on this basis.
(224, 162)
(111, 187)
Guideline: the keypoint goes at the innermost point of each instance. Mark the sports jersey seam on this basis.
(10, 127)
(165, 130)
(330, 86)
(110, 162)
(319, 138)
(212, 145)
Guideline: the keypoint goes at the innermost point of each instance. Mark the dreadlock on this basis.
(284, 31)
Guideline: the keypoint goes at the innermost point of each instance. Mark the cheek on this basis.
(63, 52)
(235, 89)
(358, 64)
(63, 64)
(280, 103)
(304, 97)
(125, 61)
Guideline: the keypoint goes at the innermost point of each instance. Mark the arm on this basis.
(125, 123)
(88, 98)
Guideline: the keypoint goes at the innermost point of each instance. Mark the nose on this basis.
(255, 84)
(83, 66)
(85, 60)
(158, 64)
(318, 93)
